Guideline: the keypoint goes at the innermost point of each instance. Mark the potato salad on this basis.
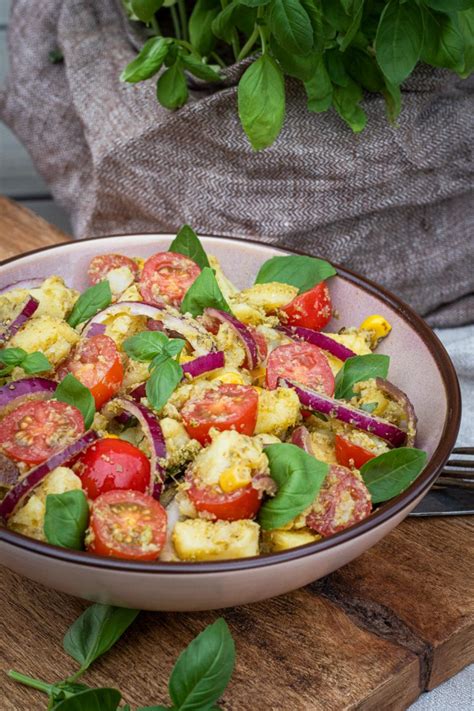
(164, 414)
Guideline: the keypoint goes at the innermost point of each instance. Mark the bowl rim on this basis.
(380, 516)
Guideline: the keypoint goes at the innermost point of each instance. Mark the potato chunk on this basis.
(278, 410)
(54, 297)
(47, 334)
(269, 297)
(279, 540)
(196, 539)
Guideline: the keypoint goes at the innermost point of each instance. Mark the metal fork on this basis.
(453, 492)
(458, 472)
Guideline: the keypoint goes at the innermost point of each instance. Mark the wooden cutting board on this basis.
(372, 636)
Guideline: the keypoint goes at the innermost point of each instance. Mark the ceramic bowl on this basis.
(420, 366)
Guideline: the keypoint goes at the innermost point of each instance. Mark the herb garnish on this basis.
(359, 369)
(90, 302)
(204, 293)
(66, 518)
(30, 362)
(297, 270)
(392, 472)
(73, 392)
(188, 243)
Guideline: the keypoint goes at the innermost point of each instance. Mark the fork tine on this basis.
(466, 473)
(463, 450)
(469, 463)
(452, 481)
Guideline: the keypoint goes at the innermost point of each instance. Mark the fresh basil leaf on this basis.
(36, 363)
(336, 68)
(443, 44)
(356, 11)
(290, 25)
(358, 369)
(96, 631)
(200, 26)
(466, 25)
(261, 101)
(174, 347)
(362, 67)
(399, 39)
(295, 65)
(148, 62)
(12, 356)
(368, 406)
(335, 15)
(71, 391)
(315, 14)
(145, 9)
(91, 700)
(200, 70)
(319, 88)
(449, 5)
(172, 88)
(188, 243)
(90, 302)
(223, 25)
(392, 472)
(393, 100)
(156, 708)
(161, 384)
(346, 102)
(66, 518)
(204, 293)
(203, 670)
(297, 270)
(299, 477)
(255, 3)
(145, 345)
(64, 690)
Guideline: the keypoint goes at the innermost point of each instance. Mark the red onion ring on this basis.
(318, 339)
(137, 308)
(36, 475)
(243, 333)
(301, 438)
(24, 387)
(23, 284)
(27, 310)
(348, 414)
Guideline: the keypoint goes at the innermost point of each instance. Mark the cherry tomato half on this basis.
(312, 309)
(112, 464)
(127, 524)
(228, 407)
(240, 504)
(96, 363)
(37, 429)
(101, 265)
(303, 362)
(167, 276)
(351, 455)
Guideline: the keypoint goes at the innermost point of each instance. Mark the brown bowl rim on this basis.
(380, 516)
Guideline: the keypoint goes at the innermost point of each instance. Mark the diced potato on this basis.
(131, 294)
(122, 325)
(231, 344)
(229, 450)
(280, 540)
(180, 448)
(47, 334)
(357, 341)
(278, 410)
(269, 297)
(322, 440)
(55, 299)
(248, 314)
(120, 279)
(225, 285)
(135, 373)
(197, 539)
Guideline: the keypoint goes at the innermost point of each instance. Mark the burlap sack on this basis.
(394, 204)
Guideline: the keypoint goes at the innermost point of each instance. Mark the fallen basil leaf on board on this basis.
(162, 383)
(188, 243)
(358, 369)
(203, 670)
(299, 477)
(91, 700)
(72, 392)
(392, 472)
(297, 270)
(91, 301)
(204, 293)
(66, 518)
(96, 631)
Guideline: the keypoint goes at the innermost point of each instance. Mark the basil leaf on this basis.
(300, 271)
(368, 406)
(65, 689)
(392, 472)
(356, 11)
(148, 62)
(357, 369)
(295, 65)
(399, 39)
(145, 345)
(363, 68)
(449, 5)
(466, 25)
(172, 88)
(36, 363)
(145, 9)
(290, 25)
(174, 347)
(12, 356)
(71, 391)
(90, 302)
(162, 383)
(443, 44)
(200, 26)
(346, 102)
(299, 477)
(254, 3)
(203, 670)
(204, 293)
(66, 518)
(336, 67)
(223, 24)
(91, 700)
(261, 101)
(393, 100)
(319, 88)
(188, 243)
(96, 631)
(156, 708)
(200, 70)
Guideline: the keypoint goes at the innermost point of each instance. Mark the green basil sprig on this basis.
(148, 62)
(66, 518)
(188, 243)
(297, 270)
(71, 391)
(31, 363)
(299, 477)
(392, 472)
(91, 700)
(90, 302)
(357, 369)
(204, 293)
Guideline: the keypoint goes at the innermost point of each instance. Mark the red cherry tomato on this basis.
(37, 429)
(127, 524)
(228, 407)
(351, 455)
(110, 464)
(261, 342)
(240, 504)
(167, 276)
(101, 265)
(303, 362)
(312, 309)
(96, 363)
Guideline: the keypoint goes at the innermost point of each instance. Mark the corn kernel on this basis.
(234, 478)
(379, 326)
(232, 378)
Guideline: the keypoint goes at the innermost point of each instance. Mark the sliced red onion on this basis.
(34, 477)
(23, 284)
(264, 484)
(348, 414)
(24, 387)
(318, 339)
(96, 329)
(404, 403)
(27, 310)
(152, 430)
(301, 438)
(136, 308)
(9, 471)
(244, 334)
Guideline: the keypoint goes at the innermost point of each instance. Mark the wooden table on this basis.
(372, 636)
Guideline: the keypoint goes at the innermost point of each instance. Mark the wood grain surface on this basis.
(372, 636)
